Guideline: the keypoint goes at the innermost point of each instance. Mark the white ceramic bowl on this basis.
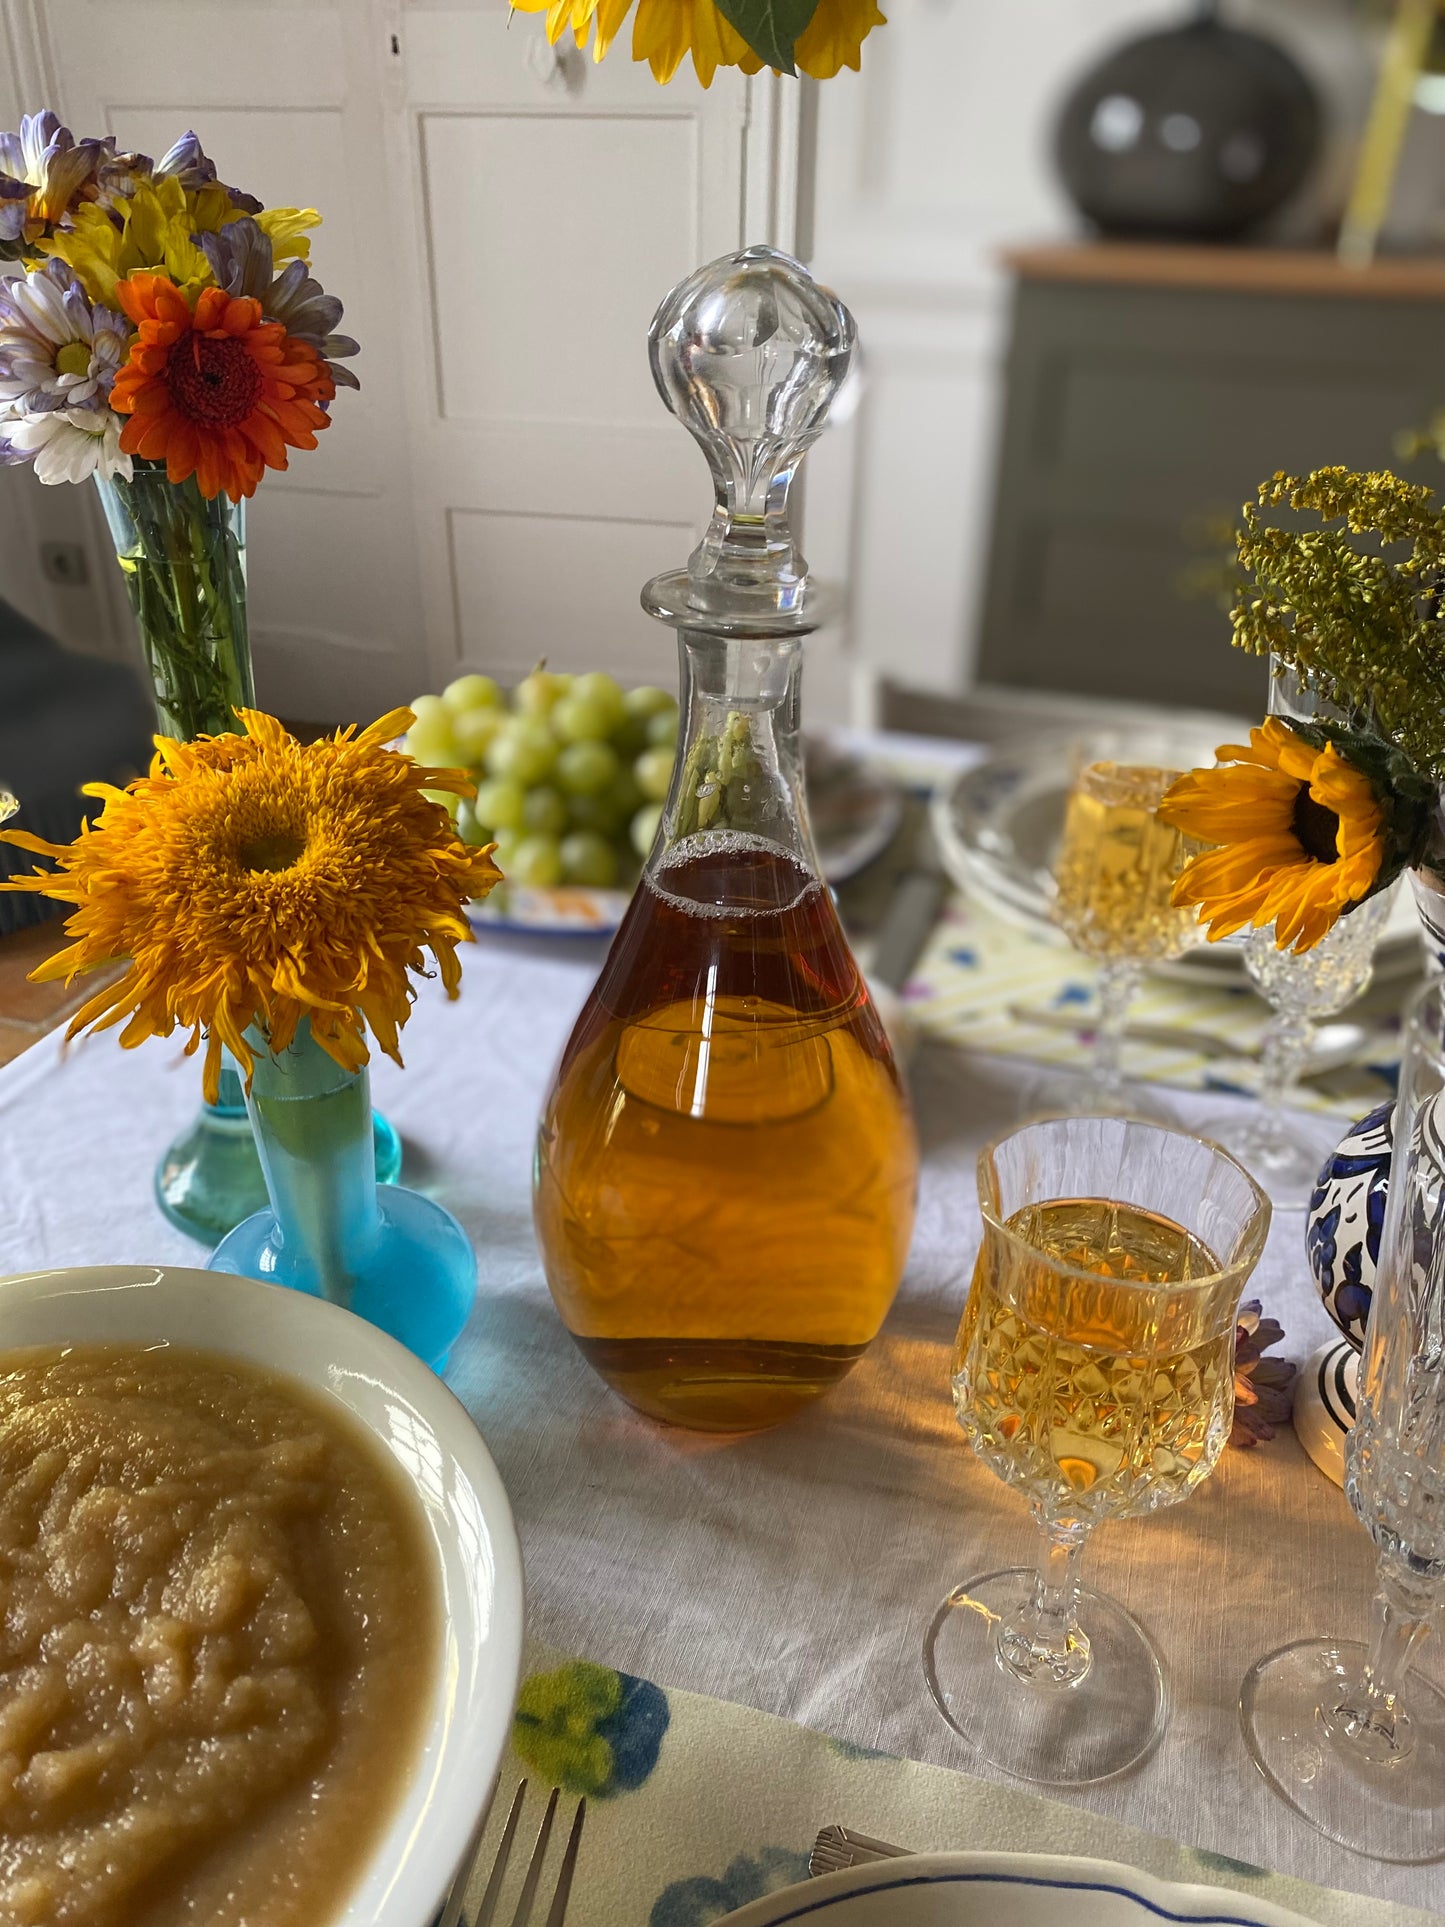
(428, 1432)
(1022, 1889)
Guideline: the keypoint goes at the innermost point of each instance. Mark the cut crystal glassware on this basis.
(1351, 1733)
(1094, 1372)
(725, 1165)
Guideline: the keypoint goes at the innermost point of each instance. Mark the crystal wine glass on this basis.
(1116, 868)
(1300, 987)
(1094, 1372)
(1352, 1735)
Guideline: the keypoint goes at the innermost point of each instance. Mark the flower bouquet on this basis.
(165, 336)
(1314, 817)
(274, 900)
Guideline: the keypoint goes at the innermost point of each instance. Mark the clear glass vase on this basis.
(726, 1166)
(390, 1255)
(184, 562)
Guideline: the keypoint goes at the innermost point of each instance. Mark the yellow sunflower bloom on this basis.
(253, 880)
(1298, 836)
(665, 32)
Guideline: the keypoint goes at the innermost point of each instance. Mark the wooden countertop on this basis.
(1251, 270)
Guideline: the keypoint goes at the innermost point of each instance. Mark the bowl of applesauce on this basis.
(262, 1610)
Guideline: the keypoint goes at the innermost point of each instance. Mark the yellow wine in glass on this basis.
(1116, 869)
(1093, 1373)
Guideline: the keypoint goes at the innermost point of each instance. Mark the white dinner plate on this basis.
(428, 1433)
(1004, 1890)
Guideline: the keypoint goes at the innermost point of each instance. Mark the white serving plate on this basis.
(429, 1433)
(1004, 1890)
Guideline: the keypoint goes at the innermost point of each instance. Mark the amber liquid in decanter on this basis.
(726, 1167)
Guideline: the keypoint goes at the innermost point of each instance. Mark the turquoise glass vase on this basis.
(388, 1254)
(184, 563)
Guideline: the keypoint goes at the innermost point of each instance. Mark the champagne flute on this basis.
(1115, 871)
(1094, 1372)
(1351, 1734)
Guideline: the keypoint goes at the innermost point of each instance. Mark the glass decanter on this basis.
(726, 1165)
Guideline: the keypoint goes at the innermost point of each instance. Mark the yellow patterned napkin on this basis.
(696, 1807)
(979, 974)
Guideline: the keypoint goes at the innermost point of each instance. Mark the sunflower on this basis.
(1300, 835)
(664, 32)
(215, 391)
(251, 880)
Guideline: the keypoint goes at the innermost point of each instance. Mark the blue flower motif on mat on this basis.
(696, 1902)
(589, 1729)
(1221, 1863)
(965, 956)
(1074, 994)
(846, 1750)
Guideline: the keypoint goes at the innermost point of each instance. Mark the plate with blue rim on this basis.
(1006, 1890)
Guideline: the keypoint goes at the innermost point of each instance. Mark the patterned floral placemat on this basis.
(987, 984)
(696, 1807)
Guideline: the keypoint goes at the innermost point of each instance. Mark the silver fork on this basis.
(451, 1914)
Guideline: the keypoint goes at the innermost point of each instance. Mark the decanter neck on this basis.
(739, 768)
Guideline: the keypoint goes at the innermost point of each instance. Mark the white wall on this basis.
(929, 163)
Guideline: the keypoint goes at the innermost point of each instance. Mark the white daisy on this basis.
(66, 444)
(57, 348)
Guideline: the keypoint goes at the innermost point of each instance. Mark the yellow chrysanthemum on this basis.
(665, 32)
(1298, 836)
(256, 880)
(154, 234)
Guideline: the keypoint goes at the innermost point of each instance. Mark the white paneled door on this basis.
(500, 221)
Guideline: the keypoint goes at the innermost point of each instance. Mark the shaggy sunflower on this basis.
(1300, 835)
(665, 32)
(252, 880)
(214, 390)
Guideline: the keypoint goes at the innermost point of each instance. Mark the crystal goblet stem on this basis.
(1118, 981)
(1043, 1643)
(1371, 1719)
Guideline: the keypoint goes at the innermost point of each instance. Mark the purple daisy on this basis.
(241, 260)
(44, 171)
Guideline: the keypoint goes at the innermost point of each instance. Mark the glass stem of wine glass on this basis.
(1044, 1645)
(1118, 980)
(1370, 1721)
(1286, 1045)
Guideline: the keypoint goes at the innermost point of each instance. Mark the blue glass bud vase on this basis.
(390, 1255)
(210, 1178)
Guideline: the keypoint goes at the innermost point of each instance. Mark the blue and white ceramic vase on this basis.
(1342, 1241)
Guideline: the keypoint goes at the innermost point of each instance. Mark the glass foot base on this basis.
(417, 1280)
(1282, 1154)
(1392, 1812)
(1067, 1093)
(1106, 1723)
(210, 1177)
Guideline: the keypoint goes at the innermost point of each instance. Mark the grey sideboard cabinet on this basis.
(1150, 389)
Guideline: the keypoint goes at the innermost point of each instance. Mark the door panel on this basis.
(501, 219)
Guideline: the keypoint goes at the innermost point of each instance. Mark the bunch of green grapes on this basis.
(571, 774)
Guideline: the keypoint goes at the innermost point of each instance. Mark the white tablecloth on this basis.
(794, 1571)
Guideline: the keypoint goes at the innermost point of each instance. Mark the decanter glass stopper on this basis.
(749, 353)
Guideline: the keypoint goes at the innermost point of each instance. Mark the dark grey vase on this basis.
(1194, 133)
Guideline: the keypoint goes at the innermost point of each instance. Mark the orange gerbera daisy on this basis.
(215, 391)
